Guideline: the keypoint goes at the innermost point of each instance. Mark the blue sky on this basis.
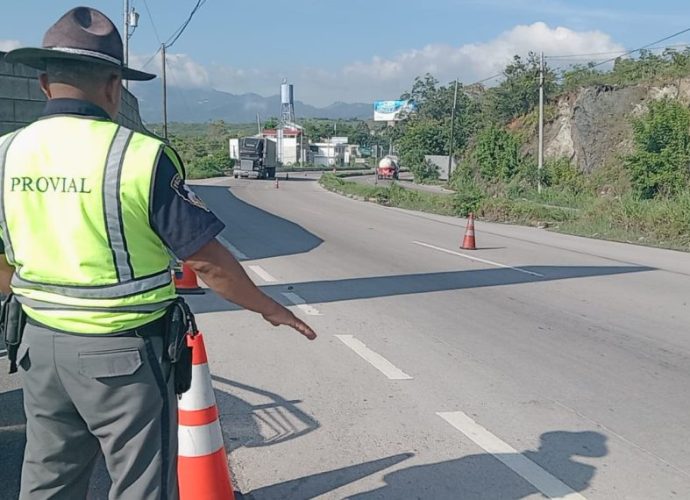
(360, 50)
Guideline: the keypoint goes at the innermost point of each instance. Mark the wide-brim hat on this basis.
(82, 34)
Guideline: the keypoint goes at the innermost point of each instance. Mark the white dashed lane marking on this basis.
(477, 259)
(301, 304)
(373, 358)
(549, 485)
(232, 248)
(263, 274)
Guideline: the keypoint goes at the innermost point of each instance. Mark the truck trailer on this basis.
(255, 157)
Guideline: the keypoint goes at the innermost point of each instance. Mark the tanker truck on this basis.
(387, 169)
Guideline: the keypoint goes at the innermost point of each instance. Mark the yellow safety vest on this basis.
(74, 216)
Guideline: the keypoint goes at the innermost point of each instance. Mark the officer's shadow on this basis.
(479, 476)
(12, 439)
(252, 417)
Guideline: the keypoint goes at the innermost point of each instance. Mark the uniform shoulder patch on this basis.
(184, 191)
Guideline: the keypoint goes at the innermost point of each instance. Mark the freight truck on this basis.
(255, 157)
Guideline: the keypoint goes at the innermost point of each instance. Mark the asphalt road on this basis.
(539, 365)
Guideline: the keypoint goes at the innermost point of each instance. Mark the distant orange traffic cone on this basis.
(202, 464)
(186, 281)
(468, 242)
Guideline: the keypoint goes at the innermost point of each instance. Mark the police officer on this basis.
(88, 211)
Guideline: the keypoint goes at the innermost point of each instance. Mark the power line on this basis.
(483, 80)
(641, 48)
(618, 52)
(153, 24)
(151, 58)
(176, 35)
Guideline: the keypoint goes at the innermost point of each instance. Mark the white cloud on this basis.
(181, 70)
(472, 62)
(7, 45)
(387, 77)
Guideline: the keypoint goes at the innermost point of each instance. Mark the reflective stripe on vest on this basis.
(111, 202)
(4, 148)
(120, 290)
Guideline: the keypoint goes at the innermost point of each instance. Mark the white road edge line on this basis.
(233, 249)
(374, 359)
(263, 274)
(549, 485)
(301, 304)
(490, 262)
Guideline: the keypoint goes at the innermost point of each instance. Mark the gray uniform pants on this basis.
(84, 395)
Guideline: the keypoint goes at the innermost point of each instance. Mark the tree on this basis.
(271, 123)
(518, 93)
(661, 162)
(427, 132)
(497, 154)
(422, 136)
(360, 134)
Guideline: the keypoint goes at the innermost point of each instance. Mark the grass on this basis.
(456, 204)
(660, 223)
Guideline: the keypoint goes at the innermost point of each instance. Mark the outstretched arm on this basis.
(219, 269)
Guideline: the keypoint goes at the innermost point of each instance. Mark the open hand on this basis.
(283, 316)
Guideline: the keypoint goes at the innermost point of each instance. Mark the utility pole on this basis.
(452, 130)
(165, 96)
(131, 21)
(125, 38)
(540, 164)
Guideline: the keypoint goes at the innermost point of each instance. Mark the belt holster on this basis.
(180, 323)
(12, 323)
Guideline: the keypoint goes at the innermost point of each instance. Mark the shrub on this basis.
(661, 162)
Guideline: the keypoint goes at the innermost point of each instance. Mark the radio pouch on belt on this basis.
(180, 322)
(12, 322)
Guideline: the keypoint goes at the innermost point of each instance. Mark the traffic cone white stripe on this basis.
(199, 440)
(200, 395)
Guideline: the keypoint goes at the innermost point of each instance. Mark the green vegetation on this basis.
(204, 146)
(659, 166)
(641, 197)
(459, 204)
(648, 67)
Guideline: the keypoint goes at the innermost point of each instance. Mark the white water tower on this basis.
(287, 103)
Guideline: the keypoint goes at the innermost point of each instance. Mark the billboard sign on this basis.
(388, 111)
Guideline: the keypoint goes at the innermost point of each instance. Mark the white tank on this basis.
(387, 163)
(286, 93)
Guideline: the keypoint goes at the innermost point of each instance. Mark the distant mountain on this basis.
(201, 105)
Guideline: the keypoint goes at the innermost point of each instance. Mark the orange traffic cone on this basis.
(468, 242)
(202, 464)
(186, 282)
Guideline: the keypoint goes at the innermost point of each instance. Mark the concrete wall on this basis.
(441, 163)
(21, 99)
